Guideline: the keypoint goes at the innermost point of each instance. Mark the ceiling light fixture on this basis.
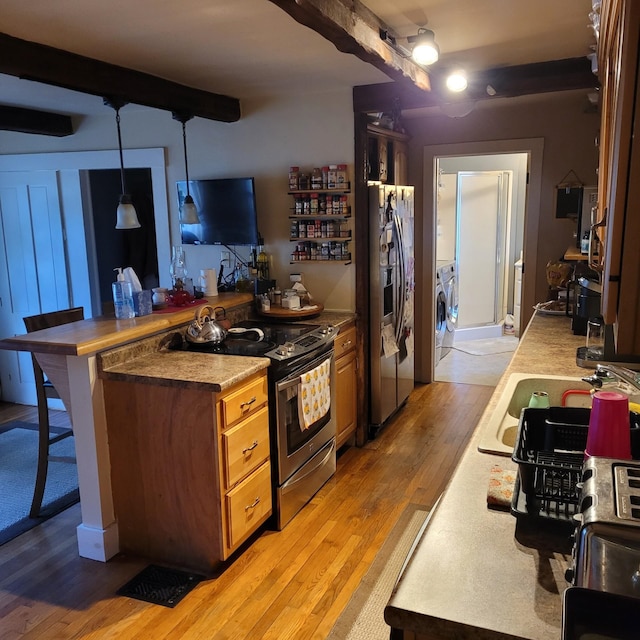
(188, 211)
(126, 217)
(425, 50)
(457, 81)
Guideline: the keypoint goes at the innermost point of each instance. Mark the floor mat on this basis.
(18, 462)
(160, 585)
(488, 346)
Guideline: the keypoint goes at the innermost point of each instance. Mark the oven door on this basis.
(295, 443)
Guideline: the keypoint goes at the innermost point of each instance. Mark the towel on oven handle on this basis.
(314, 394)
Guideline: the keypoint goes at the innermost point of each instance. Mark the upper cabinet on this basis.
(386, 159)
(619, 171)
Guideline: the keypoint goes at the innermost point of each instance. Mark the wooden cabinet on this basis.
(346, 384)
(386, 156)
(190, 470)
(619, 171)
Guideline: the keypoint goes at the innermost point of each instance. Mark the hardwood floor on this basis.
(288, 584)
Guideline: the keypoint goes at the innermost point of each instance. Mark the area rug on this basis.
(363, 617)
(18, 462)
(487, 346)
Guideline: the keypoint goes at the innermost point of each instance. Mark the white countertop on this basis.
(470, 575)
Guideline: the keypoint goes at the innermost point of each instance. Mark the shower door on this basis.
(482, 231)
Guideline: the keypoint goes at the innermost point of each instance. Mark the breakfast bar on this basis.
(69, 356)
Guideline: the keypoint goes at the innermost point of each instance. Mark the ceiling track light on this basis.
(126, 216)
(425, 50)
(188, 211)
(457, 81)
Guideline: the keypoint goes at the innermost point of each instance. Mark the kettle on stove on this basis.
(206, 330)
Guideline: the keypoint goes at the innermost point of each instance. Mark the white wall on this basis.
(271, 136)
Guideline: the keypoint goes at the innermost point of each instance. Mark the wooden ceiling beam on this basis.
(354, 29)
(501, 82)
(33, 121)
(33, 61)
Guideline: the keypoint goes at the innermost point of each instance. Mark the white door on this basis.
(33, 276)
(481, 246)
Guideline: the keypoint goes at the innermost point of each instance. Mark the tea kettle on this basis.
(206, 330)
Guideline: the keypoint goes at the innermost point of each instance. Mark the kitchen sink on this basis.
(500, 431)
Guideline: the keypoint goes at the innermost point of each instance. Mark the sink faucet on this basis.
(613, 376)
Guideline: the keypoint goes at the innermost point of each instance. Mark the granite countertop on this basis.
(149, 361)
(474, 573)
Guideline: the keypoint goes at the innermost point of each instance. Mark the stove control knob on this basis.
(285, 349)
(569, 575)
(325, 329)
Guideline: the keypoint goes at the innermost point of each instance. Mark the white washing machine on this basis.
(449, 279)
(441, 316)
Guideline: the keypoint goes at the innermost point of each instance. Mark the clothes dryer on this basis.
(449, 279)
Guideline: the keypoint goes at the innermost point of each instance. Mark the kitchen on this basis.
(519, 120)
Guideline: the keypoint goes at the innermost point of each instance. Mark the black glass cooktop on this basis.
(249, 344)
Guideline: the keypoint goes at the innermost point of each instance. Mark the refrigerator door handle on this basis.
(402, 275)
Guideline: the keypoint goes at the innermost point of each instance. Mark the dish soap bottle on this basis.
(122, 297)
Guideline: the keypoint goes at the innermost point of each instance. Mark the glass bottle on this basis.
(263, 264)
(178, 269)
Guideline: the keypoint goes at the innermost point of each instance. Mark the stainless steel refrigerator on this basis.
(391, 300)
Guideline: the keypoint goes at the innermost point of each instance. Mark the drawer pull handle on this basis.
(251, 448)
(253, 505)
(346, 344)
(248, 402)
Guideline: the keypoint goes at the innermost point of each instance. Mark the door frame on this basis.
(426, 230)
(76, 215)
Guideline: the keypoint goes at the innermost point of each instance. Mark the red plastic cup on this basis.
(609, 434)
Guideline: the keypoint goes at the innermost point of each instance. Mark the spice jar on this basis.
(316, 178)
(332, 179)
(341, 176)
(294, 177)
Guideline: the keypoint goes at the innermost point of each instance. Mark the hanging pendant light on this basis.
(189, 211)
(126, 217)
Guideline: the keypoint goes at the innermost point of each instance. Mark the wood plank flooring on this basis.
(288, 584)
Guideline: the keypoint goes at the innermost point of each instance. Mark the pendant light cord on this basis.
(124, 190)
(184, 143)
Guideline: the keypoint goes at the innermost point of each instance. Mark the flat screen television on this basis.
(227, 211)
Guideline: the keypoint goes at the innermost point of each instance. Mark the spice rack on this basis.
(319, 221)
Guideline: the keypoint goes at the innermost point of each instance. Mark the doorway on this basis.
(479, 209)
(32, 278)
(112, 248)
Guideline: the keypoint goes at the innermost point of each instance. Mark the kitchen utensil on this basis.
(609, 434)
(539, 400)
(573, 392)
(160, 295)
(205, 329)
(595, 337)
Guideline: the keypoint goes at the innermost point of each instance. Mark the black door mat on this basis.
(160, 585)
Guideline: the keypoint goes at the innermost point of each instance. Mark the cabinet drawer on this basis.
(249, 505)
(244, 401)
(344, 341)
(245, 447)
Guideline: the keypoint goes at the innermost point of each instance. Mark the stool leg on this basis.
(43, 446)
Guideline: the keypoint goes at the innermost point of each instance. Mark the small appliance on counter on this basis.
(587, 295)
(606, 554)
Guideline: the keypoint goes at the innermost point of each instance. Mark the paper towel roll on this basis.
(208, 282)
